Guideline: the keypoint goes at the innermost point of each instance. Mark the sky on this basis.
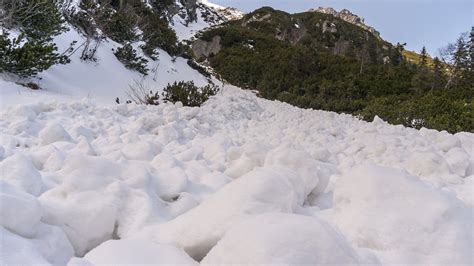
(432, 23)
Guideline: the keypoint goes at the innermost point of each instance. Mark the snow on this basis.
(263, 190)
(282, 239)
(20, 172)
(25, 239)
(134, 252)
(185, 31)
(239, 180)
(22, 223)
(401, 218)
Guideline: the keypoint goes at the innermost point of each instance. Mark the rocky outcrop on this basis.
(203, 48)
(329, 26)
(256, 18)
(347, 16)
(293, 35)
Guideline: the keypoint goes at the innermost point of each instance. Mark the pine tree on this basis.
(439, 77)
(424, 57)
(461, 54)
(128, 56)
(462, 62)
(32, 51)
(423, 79)
(27, 58)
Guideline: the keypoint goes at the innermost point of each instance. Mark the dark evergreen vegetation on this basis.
(188, 94)
(345, 69)
(128, 56)
(32, 51)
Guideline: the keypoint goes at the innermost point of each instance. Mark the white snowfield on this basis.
(241, 180)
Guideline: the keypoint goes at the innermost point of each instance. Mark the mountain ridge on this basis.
(348, 16)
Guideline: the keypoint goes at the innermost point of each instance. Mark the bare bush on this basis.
(140, 94)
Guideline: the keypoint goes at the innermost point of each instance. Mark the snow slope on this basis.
(101, 81)
(186, 30)
(240, 180)
(106, 78)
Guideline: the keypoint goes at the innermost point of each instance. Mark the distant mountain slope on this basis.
(321, 61)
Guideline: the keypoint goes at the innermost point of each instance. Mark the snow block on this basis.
(20, 212)
(19, 171)
(263, 190)
(134, 252)
(385, 209)
(53, 133)
(282, 239)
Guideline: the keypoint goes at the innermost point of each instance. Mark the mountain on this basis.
(320, 31)
(321, 61)
(348, 16)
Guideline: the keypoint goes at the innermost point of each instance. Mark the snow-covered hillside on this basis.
(208, 15)
(106, 78)
(240, 180)
(102, 80)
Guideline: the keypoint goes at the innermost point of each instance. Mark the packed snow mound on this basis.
(179, 178)
(25, 239)
(260, 191)
(381, 208)
(282, 239)
(134, 252)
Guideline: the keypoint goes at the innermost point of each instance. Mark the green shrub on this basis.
(27, 58)
(128, 56)
(39, 20)
(119, 25)
(33, 50)
(188, 94)
(157, 34)
(198, 68)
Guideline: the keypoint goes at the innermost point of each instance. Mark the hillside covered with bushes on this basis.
(316, 60)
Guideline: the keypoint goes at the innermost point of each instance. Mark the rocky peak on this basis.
(347, 16)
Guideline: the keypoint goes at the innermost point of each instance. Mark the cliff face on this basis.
(348, 16)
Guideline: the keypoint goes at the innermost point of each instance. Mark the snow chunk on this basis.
(53, 133)
(458, 161)
(87, 218)
(53, 244)
(386, 209)
(448, 142)
(20, 212)
(134, 252)
(260, 191)
(141, 150)
(282, 239)
(315, 174)
(19, 171)
(427, 164)
(16, 250)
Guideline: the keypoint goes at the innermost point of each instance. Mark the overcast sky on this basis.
(417, 22)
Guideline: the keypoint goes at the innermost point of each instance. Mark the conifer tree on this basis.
(423, 79)
(424, 57)
(33, 50)
(439, 77)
